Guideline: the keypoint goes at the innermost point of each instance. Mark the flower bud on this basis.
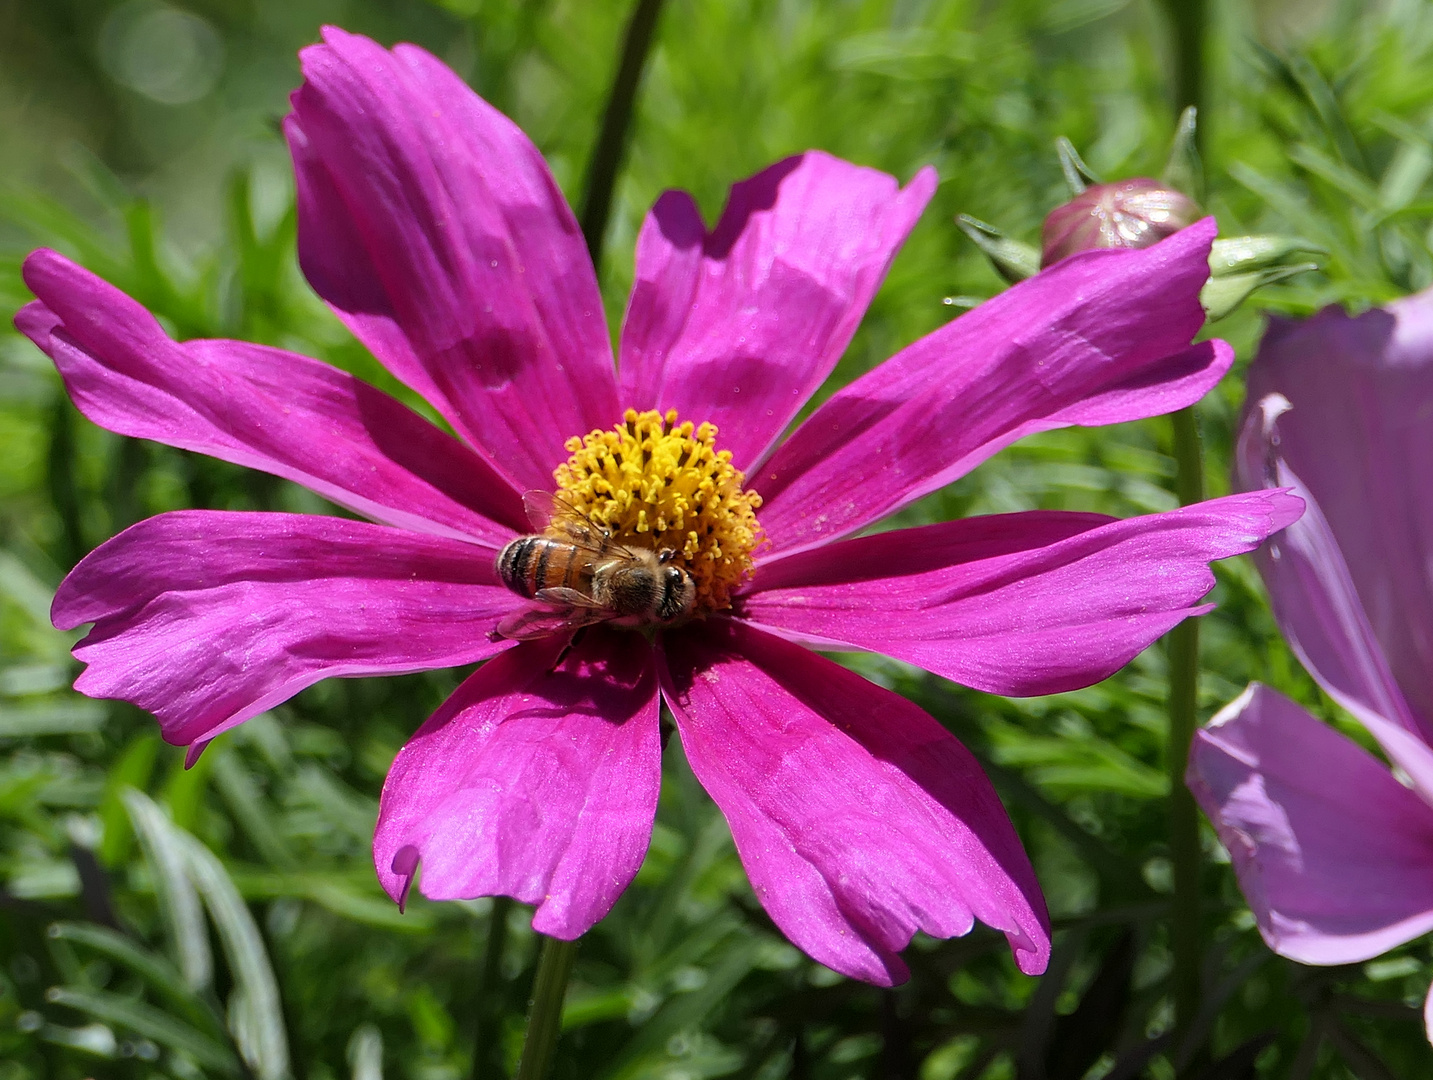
(1126, 214)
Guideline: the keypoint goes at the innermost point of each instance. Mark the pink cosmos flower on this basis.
(432, 227)
(1334, 853)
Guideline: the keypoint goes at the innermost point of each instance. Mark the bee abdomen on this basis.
(532, 563)
(515, 561)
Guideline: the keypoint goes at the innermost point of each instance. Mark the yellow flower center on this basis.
(662, 485)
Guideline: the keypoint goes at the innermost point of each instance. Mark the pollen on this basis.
(660, 484)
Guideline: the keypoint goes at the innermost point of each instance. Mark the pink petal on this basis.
(206, 618)
(1316, 602)
(531, 781)
(431, 224)
(1340, 407)
(1334, 855)
(859, 819)
(739, 326)
(1033, 603)
(1099, 338)
(271, 410)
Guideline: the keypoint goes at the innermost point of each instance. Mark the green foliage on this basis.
(225, 920)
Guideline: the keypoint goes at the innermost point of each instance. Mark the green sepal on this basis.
(1242, 254)
(1184, 171)
(1013, 260)
(1078, 175)
(1222, 295)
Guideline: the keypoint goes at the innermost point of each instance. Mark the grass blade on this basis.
(256, 1015)
(365, 1053)
(156, 971)
(148, 1021)
(178, 901)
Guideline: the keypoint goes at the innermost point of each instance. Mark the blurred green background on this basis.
(142, 139)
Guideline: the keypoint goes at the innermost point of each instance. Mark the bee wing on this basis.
(567, 598)
(547, 510)
(540, 622)
(540, 507)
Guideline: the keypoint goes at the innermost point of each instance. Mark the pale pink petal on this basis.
(1316, 602)
(264, 408)
(739, 326)
(1407, 751)
(1334, 855)
(1099, 338)
(859, 819)
(532, 781)
(431, 224)
(206, 618)
(1341, 407)
(1032, 603)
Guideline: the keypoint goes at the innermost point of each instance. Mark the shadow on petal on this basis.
(1334, 855)
(532, 781)
(859, 819)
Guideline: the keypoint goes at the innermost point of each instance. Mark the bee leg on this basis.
(572, 642)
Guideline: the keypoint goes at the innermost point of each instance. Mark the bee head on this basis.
(679, 591)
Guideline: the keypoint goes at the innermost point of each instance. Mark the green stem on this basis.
(1188, 20)
(544, 1016)
(554, 965)
(1183, 715)
(487, 1060)
(616, 121)
(64, 493)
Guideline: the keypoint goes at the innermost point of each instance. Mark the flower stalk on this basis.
(1188, 24)
(544, 1015)
(554, 966)
(1183, 705)
(616, 122)
(486, 1050)
(1188, 20)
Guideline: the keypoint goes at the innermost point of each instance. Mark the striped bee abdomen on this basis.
(531, 563)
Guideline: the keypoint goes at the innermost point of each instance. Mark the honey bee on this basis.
(574, 567)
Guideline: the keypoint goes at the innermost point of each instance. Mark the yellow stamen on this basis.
(663, 485)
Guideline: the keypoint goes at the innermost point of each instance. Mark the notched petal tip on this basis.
(922, 185)
(63, 615)
(676, 216)
(36, 321)
(1031, 953)
(330, 37)
(1284, 509)
(405, 865)
(40, 262)
(892, 972)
